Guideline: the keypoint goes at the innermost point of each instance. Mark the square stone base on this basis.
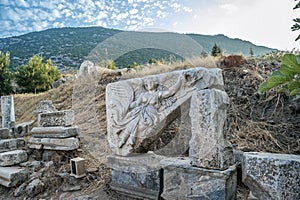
(138, 176)
(183, 181)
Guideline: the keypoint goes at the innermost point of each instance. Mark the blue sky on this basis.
(263, 22)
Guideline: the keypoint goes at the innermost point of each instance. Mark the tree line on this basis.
(35, 76)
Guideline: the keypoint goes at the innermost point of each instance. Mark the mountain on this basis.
(68, 47)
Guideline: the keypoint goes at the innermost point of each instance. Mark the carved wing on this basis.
(122, 95)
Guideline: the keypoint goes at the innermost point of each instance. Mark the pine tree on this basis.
(216, 51)
(37, 76)
(5, 75)
(251, 52)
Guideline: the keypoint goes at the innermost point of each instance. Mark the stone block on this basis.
(58, 118)
(272, 176)
(78, 167)
(11, 144)
(182, 181)
(13, 157)
(55, 132)
(137, 176)
(12, 176)
(63, 144)
(208, 147)
(4, 133)
(45, 106)
(8, 111)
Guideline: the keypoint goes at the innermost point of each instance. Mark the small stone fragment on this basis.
(34, 187)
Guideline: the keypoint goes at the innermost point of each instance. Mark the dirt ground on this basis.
(265, 123)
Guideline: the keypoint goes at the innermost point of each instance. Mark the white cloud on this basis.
(122, 16)
(175, 5)
(12, 15)
(187, 9)
(22, 3)
(229, 8)
(7, 2)
(67, 12)
(161, 14)
(61, 6)
(133, 11)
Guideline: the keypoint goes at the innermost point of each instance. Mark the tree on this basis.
(251, 52)
(216, 51)
(5, 75)
(296, 26)
(37, 76)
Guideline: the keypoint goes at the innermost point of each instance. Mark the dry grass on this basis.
(207, 62)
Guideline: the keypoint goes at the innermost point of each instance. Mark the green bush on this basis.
(286, 78)
(36, 76)
(110, 64)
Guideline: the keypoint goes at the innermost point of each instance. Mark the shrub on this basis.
(286, 78)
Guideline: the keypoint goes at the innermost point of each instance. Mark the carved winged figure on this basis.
(140, 108)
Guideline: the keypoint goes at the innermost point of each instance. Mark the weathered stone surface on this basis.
(45, 106)
(137, 176)
(58, 118)
(34, 187)
(58, 83)
(4, 133)
(11, 144)
(208, 147)
(64, 144)
(12, 176)
(12, 157)
(23, 128)
(55, 132)
(272, 176)
(138, 110)
(86, 68)
(183, 181)
(8, 111)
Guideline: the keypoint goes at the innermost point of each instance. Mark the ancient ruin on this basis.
(55, 132)
(138, 112)
(55, 129)
(8, 111)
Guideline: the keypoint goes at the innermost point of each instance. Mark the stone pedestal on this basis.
(185, 182)
(8, 111)
(138, 176)
(208, 147)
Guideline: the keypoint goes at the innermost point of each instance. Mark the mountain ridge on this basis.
(67, 47)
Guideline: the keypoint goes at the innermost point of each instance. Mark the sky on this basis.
(262, 22)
